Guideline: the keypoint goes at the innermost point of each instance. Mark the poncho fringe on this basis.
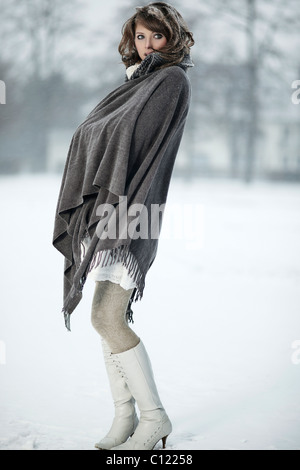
(108, 258)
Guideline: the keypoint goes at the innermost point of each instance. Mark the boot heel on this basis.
(164, 440)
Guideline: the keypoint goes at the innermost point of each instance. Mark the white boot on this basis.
(154, 423)
(125, 420)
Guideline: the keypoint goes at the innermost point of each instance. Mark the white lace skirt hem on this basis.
(116, 273)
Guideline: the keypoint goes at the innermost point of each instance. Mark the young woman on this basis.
(110, 208)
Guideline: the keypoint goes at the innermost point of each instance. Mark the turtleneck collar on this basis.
(152, 62)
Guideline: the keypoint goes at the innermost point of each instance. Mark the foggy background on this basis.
(219, 316)
(59, 59)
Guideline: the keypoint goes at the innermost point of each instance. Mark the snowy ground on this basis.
(220, 321)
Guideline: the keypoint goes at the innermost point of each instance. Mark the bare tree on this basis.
(263, 23)
(39, 33)
(41, 37)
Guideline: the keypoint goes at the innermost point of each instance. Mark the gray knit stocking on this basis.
(109, 316)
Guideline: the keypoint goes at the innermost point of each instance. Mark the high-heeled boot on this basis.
(154, 423)
(125, 420)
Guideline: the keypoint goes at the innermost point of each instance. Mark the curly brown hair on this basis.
(161, 18)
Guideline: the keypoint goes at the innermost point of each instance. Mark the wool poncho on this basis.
(117, 174)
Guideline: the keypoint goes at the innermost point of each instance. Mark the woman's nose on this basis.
(149, 43)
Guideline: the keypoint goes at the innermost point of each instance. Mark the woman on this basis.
(112, 196)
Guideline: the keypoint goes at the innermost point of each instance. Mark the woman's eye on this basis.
(156, 36)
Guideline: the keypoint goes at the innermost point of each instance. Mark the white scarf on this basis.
(130, 70)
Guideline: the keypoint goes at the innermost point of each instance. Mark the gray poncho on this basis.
(123, 152)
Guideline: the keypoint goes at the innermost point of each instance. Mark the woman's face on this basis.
(146, 41)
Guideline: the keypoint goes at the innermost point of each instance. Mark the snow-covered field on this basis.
(220, 320)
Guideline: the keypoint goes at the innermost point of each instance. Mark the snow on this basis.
(219, 318)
